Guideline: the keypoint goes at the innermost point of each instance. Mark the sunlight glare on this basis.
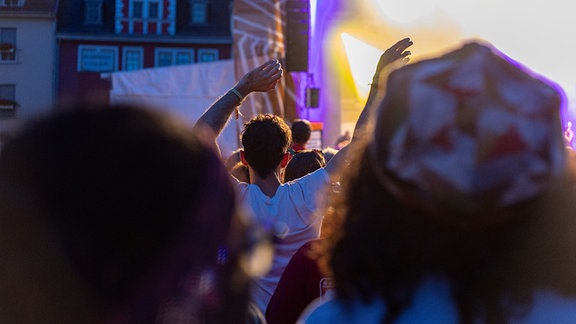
(537, 34)
(362, 59)
(405, 12)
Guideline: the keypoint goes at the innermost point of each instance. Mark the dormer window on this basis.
(157, 17)
(153, 10)
(93, 12)
(137, 9)
(146, 9)
(198, 12)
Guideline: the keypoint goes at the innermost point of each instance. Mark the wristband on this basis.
(237, 93)
(240, 99)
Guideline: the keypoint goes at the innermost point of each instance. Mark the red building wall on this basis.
(79, 86)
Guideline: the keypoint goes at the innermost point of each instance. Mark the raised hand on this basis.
(395, 53)
(261, 79)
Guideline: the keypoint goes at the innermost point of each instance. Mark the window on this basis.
(12, 3)
(183, 57)
(144, 9)
(137, 9)
(133, 58)
(154, 10)
(7, 100)
(207, 55)
(173, 56)
(93, 12)
(146, 17)
(7, 44)
(199, 12)
(97, 58)
(164, 58)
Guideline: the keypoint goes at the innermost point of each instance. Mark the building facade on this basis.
(95, 37)
(27, 47)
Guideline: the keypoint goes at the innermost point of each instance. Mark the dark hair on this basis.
(266, 138)
(137, 204)
(301, 131)
(383, 247)
(302, 163)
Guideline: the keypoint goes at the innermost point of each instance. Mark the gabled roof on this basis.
(31, 8)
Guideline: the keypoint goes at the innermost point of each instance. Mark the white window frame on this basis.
(174, 52)
(125, 51)
(98, 48)
(213, 51)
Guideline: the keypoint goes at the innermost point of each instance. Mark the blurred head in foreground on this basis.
(118, 215)
(464, 177)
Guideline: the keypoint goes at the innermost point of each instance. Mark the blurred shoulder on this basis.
(334, 311)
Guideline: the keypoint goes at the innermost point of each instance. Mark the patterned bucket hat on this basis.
(467, 134)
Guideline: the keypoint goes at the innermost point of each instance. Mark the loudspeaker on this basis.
(297, 35)
(312, 95)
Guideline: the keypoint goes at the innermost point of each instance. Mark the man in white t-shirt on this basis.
(288, 210)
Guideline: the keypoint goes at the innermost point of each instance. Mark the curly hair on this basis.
(265, 138)
(381, 247)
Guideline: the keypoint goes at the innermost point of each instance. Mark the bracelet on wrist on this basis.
(240, 100)
(237, 94)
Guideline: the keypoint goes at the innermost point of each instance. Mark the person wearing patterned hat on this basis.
(460, 206)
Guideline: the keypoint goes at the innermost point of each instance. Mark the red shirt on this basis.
(298, 147)
(301, 283)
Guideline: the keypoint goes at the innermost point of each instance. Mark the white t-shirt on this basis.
(433, 303)
(290, 215)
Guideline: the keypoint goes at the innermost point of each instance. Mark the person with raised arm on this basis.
(261, 79)
(460, 206)
(287, 210)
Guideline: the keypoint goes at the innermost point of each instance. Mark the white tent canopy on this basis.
(185, 91)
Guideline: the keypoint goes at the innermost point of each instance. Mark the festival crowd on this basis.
(451, 202)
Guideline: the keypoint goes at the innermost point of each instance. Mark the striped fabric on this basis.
(258, 27)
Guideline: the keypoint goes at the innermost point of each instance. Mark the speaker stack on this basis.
(297, 35)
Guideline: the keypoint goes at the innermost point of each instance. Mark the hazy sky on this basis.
(540, 34)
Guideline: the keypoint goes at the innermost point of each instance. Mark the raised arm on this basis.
(397, 53)
(261, 79)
